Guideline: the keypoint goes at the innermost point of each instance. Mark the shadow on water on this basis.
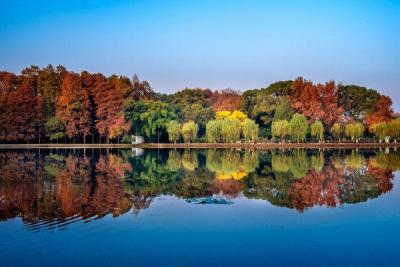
(53, 189)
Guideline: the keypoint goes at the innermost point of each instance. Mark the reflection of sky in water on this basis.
(169, 231)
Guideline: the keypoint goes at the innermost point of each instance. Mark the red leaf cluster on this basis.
(316, 101)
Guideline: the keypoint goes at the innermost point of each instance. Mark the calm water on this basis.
(199, 208)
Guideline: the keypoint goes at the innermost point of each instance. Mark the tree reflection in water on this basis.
(53, 189)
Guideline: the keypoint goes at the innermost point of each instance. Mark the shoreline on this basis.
(265, 146)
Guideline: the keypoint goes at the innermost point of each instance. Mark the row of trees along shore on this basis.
(53, 104)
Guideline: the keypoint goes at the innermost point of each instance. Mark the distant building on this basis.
(137, 139)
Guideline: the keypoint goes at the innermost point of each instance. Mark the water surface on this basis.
(199, 208)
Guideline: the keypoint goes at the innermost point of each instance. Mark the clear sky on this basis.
(206, 43)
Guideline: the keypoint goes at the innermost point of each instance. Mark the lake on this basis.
(194, 207)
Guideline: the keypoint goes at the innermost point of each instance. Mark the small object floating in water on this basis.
(209, 200)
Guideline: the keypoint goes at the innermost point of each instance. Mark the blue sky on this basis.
(215, 44)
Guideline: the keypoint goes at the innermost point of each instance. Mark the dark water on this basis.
(199, 208)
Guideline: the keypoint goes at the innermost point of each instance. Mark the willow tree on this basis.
(280, 128)
(354, 131)
(337, 130)
(298, 127)
(230, 130)
(189, 131)
(250, 130)
(380, 130)
(213, 131)
(394, 128)
(174, 131)
(317, 130)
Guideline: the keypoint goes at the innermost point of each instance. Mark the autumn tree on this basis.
(142, 90)
(119, 127)
(72, 107)
(226, 99)
(382, 112)
(316, 101)
(109, 96)
(8, 87)
(24, 113)
(235, 115)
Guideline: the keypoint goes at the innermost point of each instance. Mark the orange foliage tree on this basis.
(73, 105)
(227, 99)
(316, 101)
(382, 112)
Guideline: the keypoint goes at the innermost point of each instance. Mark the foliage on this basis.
(230, 130)
(174, 131)
(316, 101)
(280, 128)
(227, 99)
(298, 127)
(354, 130)
(284, 110)
(394, 128)
(119, 127)
(148, 118)
(189, 131)
(213, 131)
(91, 106)
(317, 130)
(235, 115)
(54, 128)
(382, 112)
(250, 130)
(357, 101)
(337, 130)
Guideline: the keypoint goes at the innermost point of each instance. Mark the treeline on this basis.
(56, 105)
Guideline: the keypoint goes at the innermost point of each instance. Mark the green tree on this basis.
(337, 130)
(298, 127)
(354, 131)
(48, 84)
(250, 130)
(189, 131)
(394, 128)
(148, 118)
(174, 131)
(317, 130)
(280, 128)
(357, 101)
(284, 110)
(213, 131)
(199, 114)
(55, 128)
(193, 105)
(230, 130)
(380, 130)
